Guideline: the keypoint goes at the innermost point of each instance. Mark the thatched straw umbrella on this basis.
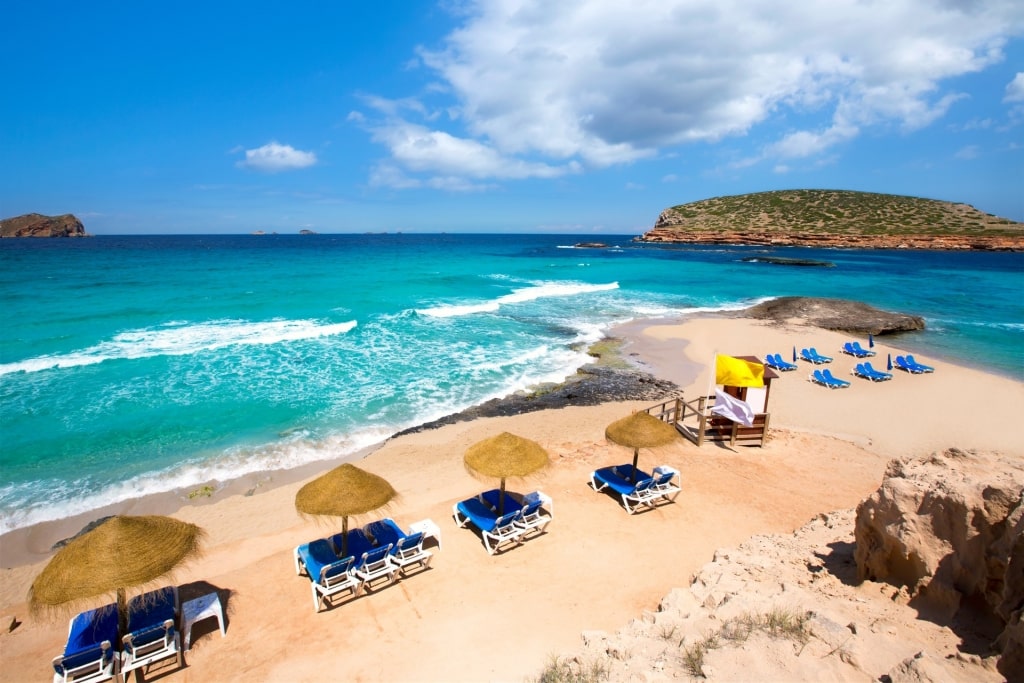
(640, 430)
(346, 490)
(121, 553)
(506, 455)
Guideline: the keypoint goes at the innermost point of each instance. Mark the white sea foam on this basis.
(181, 338)
(536, 291)
(293, 451)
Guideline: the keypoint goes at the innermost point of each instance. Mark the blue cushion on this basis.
(410, 541)
(385, 531)
(478, 513)
(373, 555)
(493, 496)
(315, 556)
(151, 609)
(91, 628)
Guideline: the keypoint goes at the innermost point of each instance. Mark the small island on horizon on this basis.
(835, 219)
(779, 218)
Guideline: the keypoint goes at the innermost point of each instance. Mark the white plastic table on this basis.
(429, 529)
(197, 609)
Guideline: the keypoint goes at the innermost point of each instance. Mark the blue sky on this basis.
(583, 117)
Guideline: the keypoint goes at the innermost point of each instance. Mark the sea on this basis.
(132, 365)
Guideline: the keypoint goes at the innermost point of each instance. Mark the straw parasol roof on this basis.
(122, 552)
(506, 455)
(346, 490)
(640, 430)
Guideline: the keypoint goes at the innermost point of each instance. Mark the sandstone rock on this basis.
(948, 528)
(835, 314)
(709, 625)
(37, 225)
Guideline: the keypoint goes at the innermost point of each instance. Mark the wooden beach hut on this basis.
(695, 421)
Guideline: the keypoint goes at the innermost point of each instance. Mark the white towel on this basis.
(733, 408)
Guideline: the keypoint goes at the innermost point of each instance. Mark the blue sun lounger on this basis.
(866, 353)
(919, 366)
(866, 371)
(826, 379)
(645, 491)
(90, 653)
(811, 355)
(328, 574)
(776, 362)
(151, 632)
(495, 530)
(406, 549)
(854, 349)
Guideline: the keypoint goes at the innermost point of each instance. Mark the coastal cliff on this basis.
(836, 219)
(38, 225)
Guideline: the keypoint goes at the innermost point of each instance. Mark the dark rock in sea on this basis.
(835, 314)
(782, 261)
(591, 245)
(38, 225)
(592, 385)
(307, 232)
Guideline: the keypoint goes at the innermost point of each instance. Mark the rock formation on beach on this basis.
(843, 598)
(950, 530)
(835, 314)
(835, 218)
(38, 225)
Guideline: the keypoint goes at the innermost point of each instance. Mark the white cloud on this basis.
(273, 157)
(538, 89)
(1015, 89)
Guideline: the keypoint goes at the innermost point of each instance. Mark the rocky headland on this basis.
(924, 581)
(835, 219)
(38, 225)
(839, 315)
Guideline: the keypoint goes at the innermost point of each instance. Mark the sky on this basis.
(556, 116)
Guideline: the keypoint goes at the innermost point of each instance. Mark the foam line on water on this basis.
(517, 296)
(180, 339)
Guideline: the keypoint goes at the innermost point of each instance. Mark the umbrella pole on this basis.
(344, 536)
(501, 498)
(636, 458)
(122, 613)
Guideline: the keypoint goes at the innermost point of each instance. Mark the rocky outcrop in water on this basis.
(38, 225)
(835, 314)
(950, 530)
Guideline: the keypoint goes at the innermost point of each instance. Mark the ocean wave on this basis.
(516, 296)
(180, 339)
(25, 505)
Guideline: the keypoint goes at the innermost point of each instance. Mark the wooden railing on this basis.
(693, 420)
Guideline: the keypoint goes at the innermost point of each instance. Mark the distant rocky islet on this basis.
(38, 225)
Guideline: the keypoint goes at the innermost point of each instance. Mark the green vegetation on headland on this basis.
(835, 218)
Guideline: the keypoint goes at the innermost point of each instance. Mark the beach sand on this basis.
(475, 617)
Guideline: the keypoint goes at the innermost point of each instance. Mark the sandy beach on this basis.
(475, 617)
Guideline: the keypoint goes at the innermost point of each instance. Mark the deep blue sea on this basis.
(132, 365)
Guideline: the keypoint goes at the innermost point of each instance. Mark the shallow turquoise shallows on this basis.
(131, 365)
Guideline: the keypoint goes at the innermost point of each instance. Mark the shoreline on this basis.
(827, 450)
(635, 362)
(604, 381)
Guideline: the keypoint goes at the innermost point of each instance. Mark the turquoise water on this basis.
(131, 365)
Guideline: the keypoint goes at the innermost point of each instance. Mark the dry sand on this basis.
(474, 617)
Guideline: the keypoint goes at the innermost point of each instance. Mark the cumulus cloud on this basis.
(273, 157)
(1015, 89)
(526, 88)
